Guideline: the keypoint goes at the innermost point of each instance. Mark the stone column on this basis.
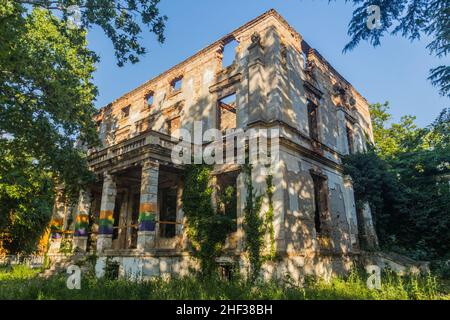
(367, 234)
(148, 206)
(80, 237)
(180, 212)
(57, 224)
(106, 222)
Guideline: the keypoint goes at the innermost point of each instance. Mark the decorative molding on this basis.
(226, 83)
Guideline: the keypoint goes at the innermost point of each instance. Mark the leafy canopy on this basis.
(405, 179)
(47, 100)
(122, 21)
(26, 195)
(412, 19)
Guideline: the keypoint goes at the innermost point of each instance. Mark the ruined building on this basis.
(273, 79)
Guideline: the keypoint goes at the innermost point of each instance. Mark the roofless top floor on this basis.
(263, 72)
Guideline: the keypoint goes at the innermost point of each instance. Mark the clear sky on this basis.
(396, 72)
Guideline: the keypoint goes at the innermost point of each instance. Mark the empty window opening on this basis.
(149, 98)
(229, 53)
(136, 199)
(313, 121)
(145, 124)
(227, 113)
(176, 84)
(350, 140)
(320, 201)
(227, 197)
(226, 272)
(283, 56)
(116, 216)
(173, 125)
(125, 112)
(168, 213)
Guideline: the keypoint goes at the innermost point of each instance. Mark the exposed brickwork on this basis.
(279, 82)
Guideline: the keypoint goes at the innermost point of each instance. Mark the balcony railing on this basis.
(122, 148)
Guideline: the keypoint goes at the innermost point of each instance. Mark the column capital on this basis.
(85, 195)
(149, 164)
(108, 176)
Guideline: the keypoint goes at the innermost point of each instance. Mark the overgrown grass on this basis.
(23, 283)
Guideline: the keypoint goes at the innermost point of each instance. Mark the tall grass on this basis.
(23, 283)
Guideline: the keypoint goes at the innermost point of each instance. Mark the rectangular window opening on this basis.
(168, 213)
(176, 84)
(350, 140)
(125, 112)
(149, 98)
(320, 201)
(313, 121)
(227, 196)
(229, 53)
(173, 125)
(227, 113)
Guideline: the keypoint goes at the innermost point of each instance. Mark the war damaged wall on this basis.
(268, 77)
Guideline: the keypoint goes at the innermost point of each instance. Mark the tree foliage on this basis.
(122, 21)
(26, 195)
(405, 178)
(46, 94)
(47, 98)
(253, 225)
(412, 19)
(207, 227)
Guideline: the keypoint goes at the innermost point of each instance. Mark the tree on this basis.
(119, 19)
(46, 99)
(411, 19)
(26, 197)
(399, 137)
(405, 178)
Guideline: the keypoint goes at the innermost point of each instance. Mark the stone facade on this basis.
(277, 81)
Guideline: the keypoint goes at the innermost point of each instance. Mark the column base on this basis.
(146, 240)
(80, 244)
(104, 242)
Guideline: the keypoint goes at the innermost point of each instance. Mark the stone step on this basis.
(396, 262)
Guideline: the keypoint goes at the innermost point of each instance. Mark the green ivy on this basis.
(66, 247)
(207, 228)
(253, 225)
(268, 224)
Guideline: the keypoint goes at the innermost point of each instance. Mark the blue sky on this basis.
(396, 72)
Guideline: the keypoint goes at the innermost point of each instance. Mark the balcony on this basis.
(149, 144)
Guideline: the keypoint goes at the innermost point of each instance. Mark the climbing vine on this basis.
(253, 225)
(268, 223)
(207, 228)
